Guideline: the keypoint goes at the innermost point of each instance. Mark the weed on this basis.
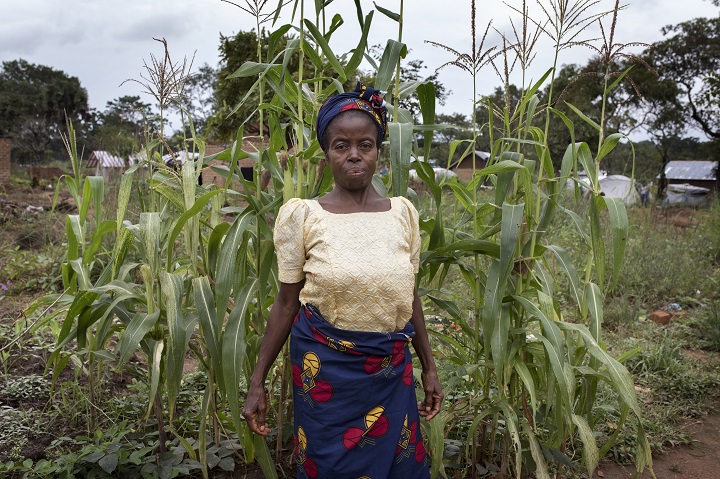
(663, 360)
(14, 432)
(26, 387)
(708, 326)
(27, 271)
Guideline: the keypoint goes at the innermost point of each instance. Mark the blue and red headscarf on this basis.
(364, 99)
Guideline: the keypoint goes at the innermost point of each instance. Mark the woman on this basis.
(348, 262)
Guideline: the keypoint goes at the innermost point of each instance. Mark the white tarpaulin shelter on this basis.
(619, 186)
(687, 194)
(583, 180)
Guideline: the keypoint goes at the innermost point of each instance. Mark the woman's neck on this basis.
(341, 200)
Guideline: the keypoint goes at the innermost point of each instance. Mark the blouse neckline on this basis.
(392, 206)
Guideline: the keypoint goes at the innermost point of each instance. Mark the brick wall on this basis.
(208, 175)
(5, 147)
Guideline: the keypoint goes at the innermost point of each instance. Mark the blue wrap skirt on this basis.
(356, 413)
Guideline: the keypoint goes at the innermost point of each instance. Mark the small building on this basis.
(104, 163)
(464, 166)
(703, 174)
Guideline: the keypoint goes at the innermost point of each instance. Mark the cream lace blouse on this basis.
(359, 268)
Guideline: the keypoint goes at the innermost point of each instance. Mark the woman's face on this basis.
(352, 149)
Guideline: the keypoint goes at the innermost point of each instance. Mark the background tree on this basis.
(120, 129)
(222, 124)
(34, 102)
(582, 87)
(691, 59)
(199, 101)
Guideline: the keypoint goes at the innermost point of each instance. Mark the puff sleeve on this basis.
(412, 233)
(290, 241)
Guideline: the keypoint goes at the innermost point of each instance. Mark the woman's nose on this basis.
(354, 153)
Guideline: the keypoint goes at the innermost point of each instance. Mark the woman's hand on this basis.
(433, 395)
(255, 409)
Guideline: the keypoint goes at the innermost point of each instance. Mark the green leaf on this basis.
(435, 433)
(204, 302)
(214, 245)
(568, 164)
(566, 265)
(590, 453)
(426, 173)
(524, 374)
(275, 37)
(586, 160)
(400, 151)
(109, 462)
(150, 234)
(267, 464)
(172, 292)
(620, 225)
(357, 56)
(249, 69)
(541, 470)
(394, 51)
(387, 13)
(97, 239)
(426, 96)
(337, 21)
(77, 229)
(579, 223)
(329, 54)
(608, 145)
(139, 326)
(126, 184)
(199, 204)
(596, 238)
(156, 348)
(584, 117)
(621, 380)
(594, 302)
(97, 185)
(225, 278)
(234, 345)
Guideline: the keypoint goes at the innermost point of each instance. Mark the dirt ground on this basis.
(699, 460)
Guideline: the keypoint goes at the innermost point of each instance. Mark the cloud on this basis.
(28, 34)
(148, 21)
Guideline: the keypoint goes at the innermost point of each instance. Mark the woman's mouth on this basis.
(355, 172)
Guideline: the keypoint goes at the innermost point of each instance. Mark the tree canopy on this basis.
(34, 103)
(690, 59)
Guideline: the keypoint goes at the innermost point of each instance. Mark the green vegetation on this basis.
(155, 289)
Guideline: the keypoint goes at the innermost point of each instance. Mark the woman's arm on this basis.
(278, 328)
(431, 384)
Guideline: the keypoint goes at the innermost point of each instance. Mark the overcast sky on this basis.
(104, 42)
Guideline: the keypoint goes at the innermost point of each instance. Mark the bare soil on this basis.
(699, 460)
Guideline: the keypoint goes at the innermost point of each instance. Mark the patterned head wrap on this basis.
(364, 99)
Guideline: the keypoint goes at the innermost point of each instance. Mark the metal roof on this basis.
(104, 160)
(691, 170)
